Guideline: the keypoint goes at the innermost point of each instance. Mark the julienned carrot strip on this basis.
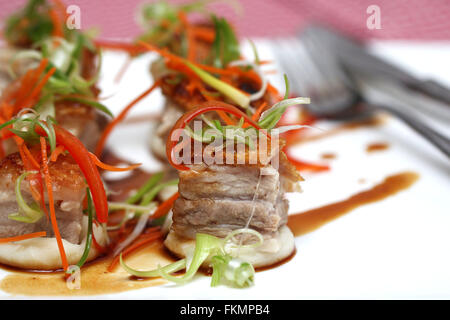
(108, 167)
(27, 83)
(30, 157)
(37, 89)
(164, 207)
(102, 141)
(51, 203)
(274, 91)
(257, 113)
(57, 26)
(204, 33)
(35, 180)
(6, 134)
(225, 118)
(24, 237)
(306, 166)
(177, 63)
(61, 8)
(7, 112)
(55, 154)
(148, 238)
(131, 48)
(174, 62)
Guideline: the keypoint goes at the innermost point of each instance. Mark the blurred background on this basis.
(400, 19)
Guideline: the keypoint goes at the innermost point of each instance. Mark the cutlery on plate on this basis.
(354, 56)
(314, 71)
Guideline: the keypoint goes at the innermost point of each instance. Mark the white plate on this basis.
(395, 248)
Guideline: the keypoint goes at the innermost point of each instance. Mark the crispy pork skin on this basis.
(69, 190)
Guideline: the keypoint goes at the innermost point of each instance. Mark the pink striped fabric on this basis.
(400, 19)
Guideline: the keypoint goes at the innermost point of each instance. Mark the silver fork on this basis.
(315, 72)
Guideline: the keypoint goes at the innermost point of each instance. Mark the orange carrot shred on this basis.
(306, 166)
(225, 118)
(39, 87)
(55, 154)
(258, 111)
(24, 237)
(204, 33)
(57, 25)
(108, 167)
(48, 184)
(30, 157)
(256, 115)
(165, 206)
(130, 48)
(27, 83)
(33, 179)
(61, 8)
(102, 141)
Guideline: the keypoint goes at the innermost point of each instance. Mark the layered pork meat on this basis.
(69, 190)
(217, 199)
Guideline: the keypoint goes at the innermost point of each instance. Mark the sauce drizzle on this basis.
(377, 146)
(308, 221)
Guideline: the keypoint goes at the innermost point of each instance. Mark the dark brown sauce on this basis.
(377, 146)
(305, 222)
(328, 156)
(95, 279)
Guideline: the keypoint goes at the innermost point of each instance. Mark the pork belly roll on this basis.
(218, 199)
(69, 192)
